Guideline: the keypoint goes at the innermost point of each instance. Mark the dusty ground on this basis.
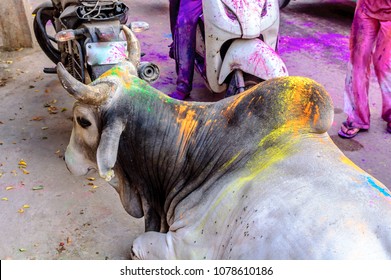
(46, 213)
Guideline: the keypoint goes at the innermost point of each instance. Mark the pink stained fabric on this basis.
(370, 41)
(379, 9)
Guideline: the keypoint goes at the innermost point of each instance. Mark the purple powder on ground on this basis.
(319, 45)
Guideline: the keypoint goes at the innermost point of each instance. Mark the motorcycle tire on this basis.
(283, 3)
(40, 24)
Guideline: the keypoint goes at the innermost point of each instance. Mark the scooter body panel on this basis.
(254, 57)
(228, 20)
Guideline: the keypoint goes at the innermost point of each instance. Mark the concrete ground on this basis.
(46, 213)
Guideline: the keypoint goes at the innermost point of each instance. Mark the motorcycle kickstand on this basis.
(50, 70)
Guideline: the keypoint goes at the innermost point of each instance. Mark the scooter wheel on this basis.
(42, 21)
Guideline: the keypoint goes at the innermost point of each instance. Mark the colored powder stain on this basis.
(347, 161)
(288, 22)
(319, 45)
(137, 86)
(121, 73)
(187, 124)
(209, 122)
(372, 182)
(376, 186)
(262, 162)
(316, 115)
(295, 97)
(134, 87)
(312, 110)
(303, 94)
(258, 61)
(236, 102)
(308, 24)
(228, 163)
(169, 100)
(131, 83)
(158, 56)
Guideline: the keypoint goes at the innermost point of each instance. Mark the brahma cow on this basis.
(254, 176)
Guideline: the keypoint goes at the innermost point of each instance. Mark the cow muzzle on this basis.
(77, 164)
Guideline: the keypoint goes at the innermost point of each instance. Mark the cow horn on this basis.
(134, 49)
(93, 95)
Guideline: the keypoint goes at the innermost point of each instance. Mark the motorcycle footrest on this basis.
(50, 70)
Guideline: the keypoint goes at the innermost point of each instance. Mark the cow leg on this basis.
(152, 245)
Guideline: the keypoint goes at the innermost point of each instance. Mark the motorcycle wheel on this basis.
(41, 25)
(283, 3)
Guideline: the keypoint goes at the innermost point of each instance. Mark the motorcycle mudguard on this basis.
(254, 57)
(42, 5)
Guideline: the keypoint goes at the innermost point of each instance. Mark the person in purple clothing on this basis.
(370, 39)
(184, 15)
(173, 9)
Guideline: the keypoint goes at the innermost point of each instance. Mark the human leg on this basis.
(184, 41)
(362, 40)
(173, 9)
(382, 63)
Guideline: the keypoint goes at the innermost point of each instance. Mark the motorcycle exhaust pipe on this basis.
(148, 71)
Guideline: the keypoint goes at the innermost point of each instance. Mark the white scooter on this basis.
(236, 43)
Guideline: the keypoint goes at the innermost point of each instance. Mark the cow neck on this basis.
(221, 138)
(176, 147)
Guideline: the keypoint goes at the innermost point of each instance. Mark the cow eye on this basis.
(84, 123)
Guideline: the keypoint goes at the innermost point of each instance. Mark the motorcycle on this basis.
(236, 44)
(89, 37)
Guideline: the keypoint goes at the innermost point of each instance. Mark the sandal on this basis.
(348, 131)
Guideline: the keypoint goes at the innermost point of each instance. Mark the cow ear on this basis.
(106, 155)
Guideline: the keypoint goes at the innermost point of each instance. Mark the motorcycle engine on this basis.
(102, 10)
(92, 10)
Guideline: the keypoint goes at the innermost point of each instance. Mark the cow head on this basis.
(97, 127)
(85, 151)
(94, 141)
(80, 155)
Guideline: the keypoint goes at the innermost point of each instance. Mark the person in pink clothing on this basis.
(370, 40)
